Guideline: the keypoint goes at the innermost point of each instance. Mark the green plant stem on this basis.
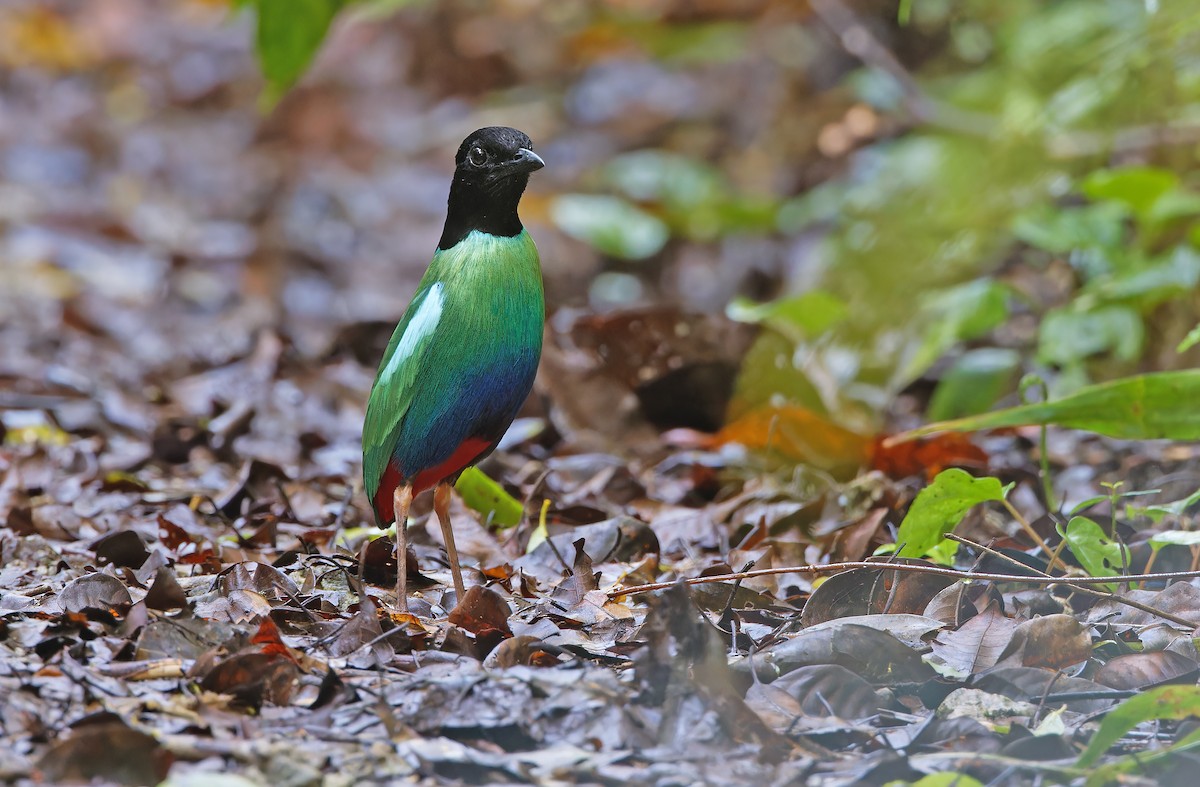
(1044, 461)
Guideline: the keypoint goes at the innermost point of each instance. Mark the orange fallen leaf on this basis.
(799, 434)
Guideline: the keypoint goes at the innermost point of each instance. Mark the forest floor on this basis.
(192, 303)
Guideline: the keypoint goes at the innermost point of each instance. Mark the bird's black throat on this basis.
(489, 207)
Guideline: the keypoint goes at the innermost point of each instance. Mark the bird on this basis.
(462, 359)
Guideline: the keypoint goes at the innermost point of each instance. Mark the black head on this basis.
(492, 170)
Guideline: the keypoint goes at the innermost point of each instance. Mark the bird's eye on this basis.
(477, 156)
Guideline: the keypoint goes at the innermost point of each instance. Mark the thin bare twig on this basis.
(834, 568)
(1119, 599)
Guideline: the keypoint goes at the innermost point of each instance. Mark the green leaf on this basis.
(1182, 538)
(975, 382)
(1174, 204)
(1098, 553)
(939, 508)
(1153, 283)
(1063, 230)
(808, 315)
(1156, 406)
(1176, 508)
(1068, 336)
(1083, 505)
(484, 495)
(659, 176)
(1139, 188)
(289, 34)
(1165, 702)
(1189, 341)
(1140, 761)
(963, 312)
(610, 224)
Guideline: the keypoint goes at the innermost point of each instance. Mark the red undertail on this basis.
(462, 457)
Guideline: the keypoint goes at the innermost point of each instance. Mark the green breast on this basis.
(463, 358)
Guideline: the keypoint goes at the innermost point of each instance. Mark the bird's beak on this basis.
(525, 161)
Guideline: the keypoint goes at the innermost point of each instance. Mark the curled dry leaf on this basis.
(260, 578)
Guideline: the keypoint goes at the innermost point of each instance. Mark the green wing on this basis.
(395, 382)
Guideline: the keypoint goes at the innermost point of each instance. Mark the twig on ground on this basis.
(1086, 590)
(834, 568)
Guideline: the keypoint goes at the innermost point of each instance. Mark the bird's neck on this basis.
(474, 207)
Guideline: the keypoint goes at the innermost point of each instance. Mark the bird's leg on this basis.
(401, 500)
(441, 504)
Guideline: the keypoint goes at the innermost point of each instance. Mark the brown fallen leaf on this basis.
(1051, 641)
(523, 651)
(1145, 670)
(108, 750)
(485, 614)
(978, 643)
(253, 678)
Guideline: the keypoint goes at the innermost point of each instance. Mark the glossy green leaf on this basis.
(1166, 702)
(1099, 554)
(1154, 406)
(1139, 762)
(939, 508)
(484, 495)
(610, 224)
(289, 33)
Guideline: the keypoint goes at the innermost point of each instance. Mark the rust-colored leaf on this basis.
(927, 456)
(253, 678)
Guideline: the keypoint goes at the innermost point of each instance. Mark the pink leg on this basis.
(401, 501)
(441, 504)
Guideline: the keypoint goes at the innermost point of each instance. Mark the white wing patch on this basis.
(422, 324)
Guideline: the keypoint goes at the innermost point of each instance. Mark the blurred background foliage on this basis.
(1016, 197)
(915, 202)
